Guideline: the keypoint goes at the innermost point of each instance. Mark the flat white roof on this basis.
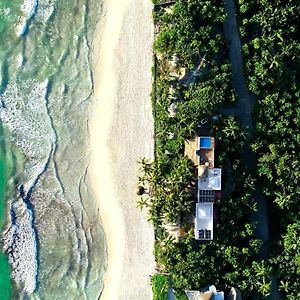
(212, 181)
(204, 212)
(204, 220)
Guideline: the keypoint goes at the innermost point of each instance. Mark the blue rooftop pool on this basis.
(205, 143)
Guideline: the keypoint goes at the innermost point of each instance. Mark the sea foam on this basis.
(29, 9)
(20, 245)
(26, 117)
(46, 9)
(53, 238)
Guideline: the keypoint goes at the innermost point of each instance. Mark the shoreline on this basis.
(121, 115)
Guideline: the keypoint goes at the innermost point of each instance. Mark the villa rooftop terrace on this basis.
(201, 151)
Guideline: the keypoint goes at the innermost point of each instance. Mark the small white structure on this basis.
(234, 294)
(212, 293)
(204, 221)
(172, 109)
(174, 60)
(172, 91)
(171, 135)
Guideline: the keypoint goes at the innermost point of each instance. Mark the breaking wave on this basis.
(53, 236)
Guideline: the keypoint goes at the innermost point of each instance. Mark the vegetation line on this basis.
(259, 157)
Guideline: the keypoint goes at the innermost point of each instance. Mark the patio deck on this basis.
(205, 159)
(190, 147)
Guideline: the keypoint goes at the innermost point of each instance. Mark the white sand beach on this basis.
(121, 132)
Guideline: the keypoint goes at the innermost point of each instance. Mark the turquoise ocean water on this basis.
(52, 236)
(5, 282)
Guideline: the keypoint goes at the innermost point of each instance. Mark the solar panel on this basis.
(206, 195)
(208, 234)
(201, 234)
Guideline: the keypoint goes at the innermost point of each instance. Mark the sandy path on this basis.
(121, 131)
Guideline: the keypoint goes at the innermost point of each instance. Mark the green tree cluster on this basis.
(192, 30)
(169, 179)
(271, 47)
(193, 27)
(230, 259)
(160, 285)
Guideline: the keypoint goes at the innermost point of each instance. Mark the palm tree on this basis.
(168, 245)
(263, 273)
(147, 168)
(232, 128)
(142, 202)
(282, 199)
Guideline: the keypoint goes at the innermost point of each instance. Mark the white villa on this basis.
(201, 151)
